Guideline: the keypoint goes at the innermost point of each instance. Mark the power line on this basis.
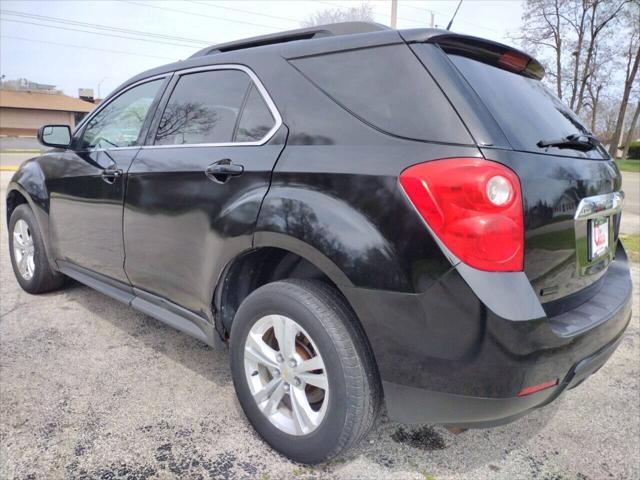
(85, 48)
(67, 21)
(200, 15)
(244, 11)
(96, 33)
(332, 4)
(419, 22)
(419, 8)
(447, 15)
(409, 19)
(335, 5)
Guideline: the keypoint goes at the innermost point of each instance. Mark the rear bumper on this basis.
(445, 356)
(414, 405)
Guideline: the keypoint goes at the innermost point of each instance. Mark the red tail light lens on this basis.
(474, 206)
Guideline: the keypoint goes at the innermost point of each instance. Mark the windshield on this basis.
(525, 109)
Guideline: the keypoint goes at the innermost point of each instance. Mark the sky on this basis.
(57, 42)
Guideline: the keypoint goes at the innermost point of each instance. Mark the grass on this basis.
(628, 165)
(632, 245)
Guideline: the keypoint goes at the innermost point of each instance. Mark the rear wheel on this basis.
(302, 370)
(28, 257)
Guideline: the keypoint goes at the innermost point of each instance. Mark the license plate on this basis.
(598, 237)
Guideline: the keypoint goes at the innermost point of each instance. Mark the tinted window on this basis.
(389, 88)
(203, 108)
(524, 108)
(119, 123)
(256, 118)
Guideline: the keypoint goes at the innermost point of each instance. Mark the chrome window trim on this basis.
(261, 89)
(599, 205)
(88, 118)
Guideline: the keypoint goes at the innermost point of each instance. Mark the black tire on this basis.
(354, 386)
(44, 279)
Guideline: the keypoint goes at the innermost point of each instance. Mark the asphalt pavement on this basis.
(631, 207)
(92, 389)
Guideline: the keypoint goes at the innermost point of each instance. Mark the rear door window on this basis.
(203, 108)
(214, 106)
(525, 109)
(388, 88)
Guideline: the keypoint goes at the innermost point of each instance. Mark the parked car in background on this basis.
(363, 215)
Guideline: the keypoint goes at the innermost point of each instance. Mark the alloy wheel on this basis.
(286, 374)
(23, 249)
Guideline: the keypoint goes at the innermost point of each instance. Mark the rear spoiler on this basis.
(486, 51)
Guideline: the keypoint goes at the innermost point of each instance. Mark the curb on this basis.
(9, 168)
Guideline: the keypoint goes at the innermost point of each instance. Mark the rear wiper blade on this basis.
(576, 141)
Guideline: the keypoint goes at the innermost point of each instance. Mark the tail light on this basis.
(474, 206)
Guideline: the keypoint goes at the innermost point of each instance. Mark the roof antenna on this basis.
(454, 15)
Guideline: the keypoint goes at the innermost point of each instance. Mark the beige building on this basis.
(23, 112)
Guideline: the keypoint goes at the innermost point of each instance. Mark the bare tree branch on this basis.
(360, 13)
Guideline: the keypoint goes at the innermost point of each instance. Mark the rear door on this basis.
(571, 196)
(195, 190)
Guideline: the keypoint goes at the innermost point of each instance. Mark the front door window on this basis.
(119, 124)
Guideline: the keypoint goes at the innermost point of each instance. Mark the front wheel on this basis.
(28, 257)
(302, 370)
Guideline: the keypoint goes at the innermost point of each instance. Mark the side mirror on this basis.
(55, 136)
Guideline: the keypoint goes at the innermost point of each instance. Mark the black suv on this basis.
(361, 214)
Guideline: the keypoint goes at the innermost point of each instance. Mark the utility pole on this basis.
(433, 20)
(100, 83)
(394, 13)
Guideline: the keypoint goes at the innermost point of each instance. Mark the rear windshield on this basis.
(524, 108)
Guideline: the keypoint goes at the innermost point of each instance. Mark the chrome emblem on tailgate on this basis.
(599, 205)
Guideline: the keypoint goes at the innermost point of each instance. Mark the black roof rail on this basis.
(329, 30)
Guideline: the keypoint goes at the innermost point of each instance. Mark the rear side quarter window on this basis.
(256, 119)
(388, 88)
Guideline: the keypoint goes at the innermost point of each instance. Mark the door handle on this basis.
(111, 174)
(223, 170)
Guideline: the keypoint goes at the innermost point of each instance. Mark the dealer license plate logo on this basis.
(599, 237)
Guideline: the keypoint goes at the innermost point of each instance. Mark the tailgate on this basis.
(571, 214)
(571, 193)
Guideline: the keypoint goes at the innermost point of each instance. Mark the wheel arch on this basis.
(278, 257)
(15, 198)
(273, 257)
(28, 186)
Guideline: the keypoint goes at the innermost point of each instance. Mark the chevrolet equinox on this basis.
(365, 216)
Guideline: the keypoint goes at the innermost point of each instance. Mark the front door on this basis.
(194, 193)
(87, 192)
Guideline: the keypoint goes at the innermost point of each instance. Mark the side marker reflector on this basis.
(536, 388)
